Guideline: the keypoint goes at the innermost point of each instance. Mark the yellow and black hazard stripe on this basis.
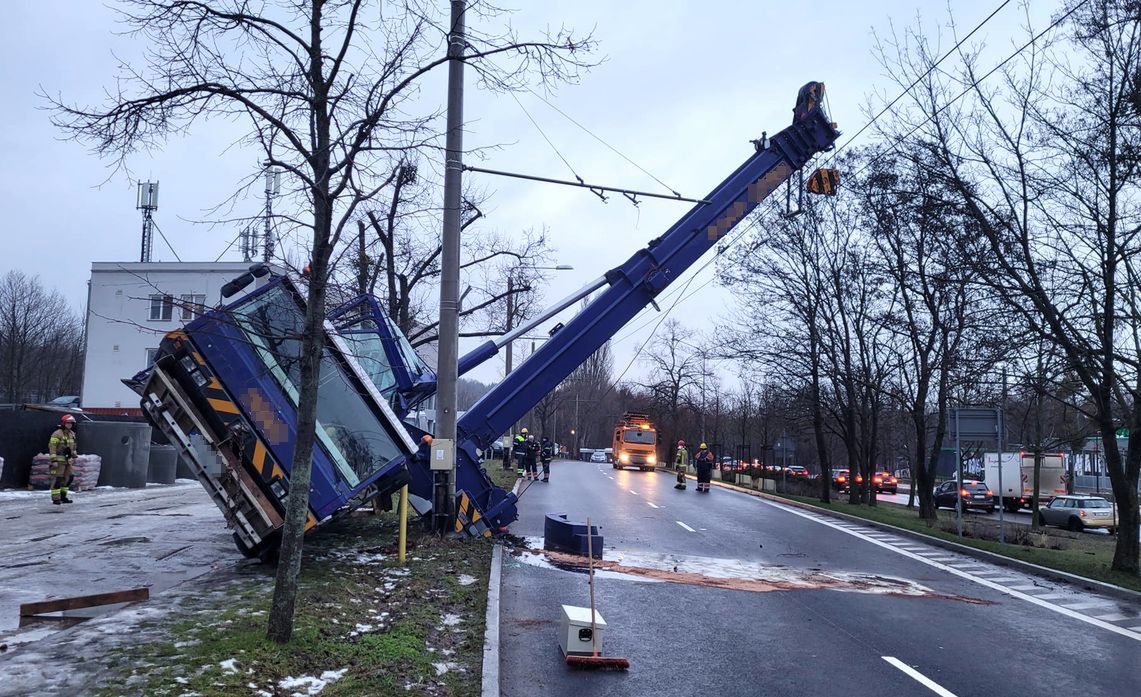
(468, 518)
(823, 182)
(262, 461)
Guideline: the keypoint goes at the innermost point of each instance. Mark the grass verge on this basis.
(1074, 553)
(363, 625)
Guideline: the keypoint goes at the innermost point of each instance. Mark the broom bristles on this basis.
(598, 663)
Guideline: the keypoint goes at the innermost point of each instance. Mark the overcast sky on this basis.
(684, 87)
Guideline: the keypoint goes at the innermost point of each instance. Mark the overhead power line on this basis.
(970, 87)
(917, 80)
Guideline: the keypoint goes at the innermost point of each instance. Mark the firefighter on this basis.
(681, 464)
(546, 453)
(63, 448)
(518, 446)
(703, 460)
(531, 450)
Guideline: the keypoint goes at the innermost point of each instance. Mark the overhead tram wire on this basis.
(916, 82)
(540, 130)
(613, 149)
(683, 296)
(970, 87)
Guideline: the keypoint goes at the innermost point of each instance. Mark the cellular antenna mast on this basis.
(272, 189)
(147, 203)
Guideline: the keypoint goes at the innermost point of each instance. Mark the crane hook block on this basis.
(823, 181)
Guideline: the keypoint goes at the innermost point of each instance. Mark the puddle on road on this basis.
(732, 574)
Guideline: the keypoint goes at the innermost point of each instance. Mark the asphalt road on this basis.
(970, 629)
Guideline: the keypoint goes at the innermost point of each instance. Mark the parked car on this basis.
(797, 471)
(1078, 512)
(973, 494)
(598, 456)
(885, 483)
(840, 479)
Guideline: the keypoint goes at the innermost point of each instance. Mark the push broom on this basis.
(594, 661)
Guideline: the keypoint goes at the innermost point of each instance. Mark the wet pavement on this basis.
(969, 627)
(108, 540)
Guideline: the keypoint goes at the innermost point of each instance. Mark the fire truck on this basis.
(635, 442)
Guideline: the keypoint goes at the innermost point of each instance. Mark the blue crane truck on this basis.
(231, 376)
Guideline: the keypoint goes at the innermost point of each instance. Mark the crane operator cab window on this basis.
(355, 432)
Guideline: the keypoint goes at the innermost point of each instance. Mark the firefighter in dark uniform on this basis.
(681, 464)
(703, 461)
(547, 452)
(63, 448)
(531, 453)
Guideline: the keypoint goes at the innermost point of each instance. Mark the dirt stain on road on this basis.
(743, 576)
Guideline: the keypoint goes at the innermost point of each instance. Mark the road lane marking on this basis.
(685, 526)
(1033, 599)
(609, 477)
(654, 505)
(919, 677)
(1114, 617)
(632, 492)
(1087, 605)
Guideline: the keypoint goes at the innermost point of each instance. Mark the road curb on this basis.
(491, 628)
(1029, 567)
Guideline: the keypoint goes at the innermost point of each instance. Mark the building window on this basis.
(162, 308)
(192, 306)
(152, 354)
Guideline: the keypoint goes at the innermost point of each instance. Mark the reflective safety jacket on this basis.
(63, 445)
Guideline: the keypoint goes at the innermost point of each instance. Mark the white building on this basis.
(130, 306)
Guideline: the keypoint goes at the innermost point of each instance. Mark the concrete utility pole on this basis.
(444, 472)
(510, 318)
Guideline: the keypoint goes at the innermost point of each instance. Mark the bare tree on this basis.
(675, 376)
(326, 93)
(1044, 164)
(41, 341)
(397, 251)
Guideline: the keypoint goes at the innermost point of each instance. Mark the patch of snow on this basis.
(466, 580)
(442, 668)
(397, 572)
(451, 620)
(310, 684)
(181, 680)
(229, 665)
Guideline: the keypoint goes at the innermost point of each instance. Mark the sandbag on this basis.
(86, 471)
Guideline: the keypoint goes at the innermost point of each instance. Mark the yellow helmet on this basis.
(524, 430)
(703, 446)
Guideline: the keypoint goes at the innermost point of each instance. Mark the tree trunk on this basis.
(280, 626)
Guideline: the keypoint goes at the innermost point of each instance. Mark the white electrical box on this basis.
(575, 633)
(443, 454)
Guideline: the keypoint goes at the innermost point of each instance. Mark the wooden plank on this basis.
(81, 601)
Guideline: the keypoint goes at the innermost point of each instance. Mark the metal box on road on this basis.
(575, 633)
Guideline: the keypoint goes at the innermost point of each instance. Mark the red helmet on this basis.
(67, 419)
(680, 443)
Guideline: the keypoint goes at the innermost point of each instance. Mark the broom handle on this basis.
(590, 563)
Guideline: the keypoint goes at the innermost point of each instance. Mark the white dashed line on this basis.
(1114, 617)
(652, 504)
(685, 526)
(919, 677)
(632, 492)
